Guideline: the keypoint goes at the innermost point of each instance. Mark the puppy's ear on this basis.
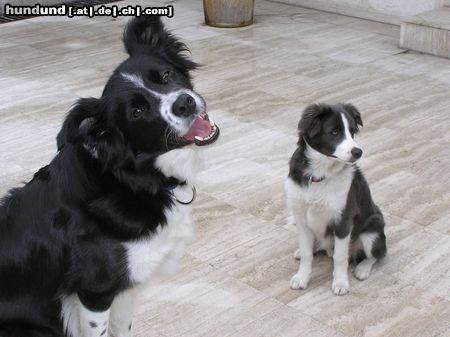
(310, 123)
(351, 109)
(146, 34)
(79, 122)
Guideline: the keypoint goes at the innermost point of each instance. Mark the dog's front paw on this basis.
(299, 282)
(340, 287)
(362, 271)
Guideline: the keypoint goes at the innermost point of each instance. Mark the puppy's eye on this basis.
(165, 77)
(335, 132)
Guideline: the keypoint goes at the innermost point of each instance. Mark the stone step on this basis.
(427, 32)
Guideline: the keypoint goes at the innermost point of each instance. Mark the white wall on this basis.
(391, 11)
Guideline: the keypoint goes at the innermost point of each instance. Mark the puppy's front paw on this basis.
(297, 254)
(340, 287)
(299, 282)
(362, 272)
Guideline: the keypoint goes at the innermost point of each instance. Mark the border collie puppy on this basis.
(110, 213)
(330, 199)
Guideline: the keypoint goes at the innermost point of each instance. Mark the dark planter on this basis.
(228, 13)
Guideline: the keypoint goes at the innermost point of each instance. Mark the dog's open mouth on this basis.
(203, 131)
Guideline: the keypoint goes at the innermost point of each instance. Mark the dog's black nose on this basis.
(356, 152)
(184, 106)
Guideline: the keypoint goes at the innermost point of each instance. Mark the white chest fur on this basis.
(319, 203)
(151, 258)
(157, 257)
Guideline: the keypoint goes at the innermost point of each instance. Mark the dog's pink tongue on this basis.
(200, 128)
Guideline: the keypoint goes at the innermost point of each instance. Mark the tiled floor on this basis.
(234, 279)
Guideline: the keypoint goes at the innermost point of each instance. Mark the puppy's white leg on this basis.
(93, 323)
(121, 315)
(290, 219)
(340, 284)
(305, 252)
(362, 270)
(297, 254)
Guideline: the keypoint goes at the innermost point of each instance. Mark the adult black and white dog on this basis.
(109, 214)
(330, 199)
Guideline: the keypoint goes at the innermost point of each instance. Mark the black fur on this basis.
(361, 214)
(319, 120)
(61, 232)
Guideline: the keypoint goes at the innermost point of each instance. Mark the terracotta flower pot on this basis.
(228, 13)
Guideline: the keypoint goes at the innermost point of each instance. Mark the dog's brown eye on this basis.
(165, 77)
(137, 112)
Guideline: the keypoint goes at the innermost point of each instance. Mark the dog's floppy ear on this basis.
(142, 33)
(79, 122)
(146, 34)
(354, 112)
(310, 122)
(86, 125)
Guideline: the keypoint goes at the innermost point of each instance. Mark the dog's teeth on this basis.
(200, 139)
(211, 122)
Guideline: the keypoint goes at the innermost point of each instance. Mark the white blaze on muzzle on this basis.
(344, 149)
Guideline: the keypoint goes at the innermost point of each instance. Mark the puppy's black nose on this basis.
(356, 152)
(184, 106)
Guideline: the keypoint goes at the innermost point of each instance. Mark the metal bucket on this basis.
(228, 13)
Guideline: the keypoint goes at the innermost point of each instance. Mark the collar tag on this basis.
(194, 195)
(170, 188)
(172, 183)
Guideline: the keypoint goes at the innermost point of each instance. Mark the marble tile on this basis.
(201, 303)
(418, 259)
(413, 64)
(441, 225)
(14, 179)
(289, 323)
(376, 307)
(221, 227)
(260, 194)
(375, 27)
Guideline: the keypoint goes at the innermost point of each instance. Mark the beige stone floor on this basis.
(234, 279)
